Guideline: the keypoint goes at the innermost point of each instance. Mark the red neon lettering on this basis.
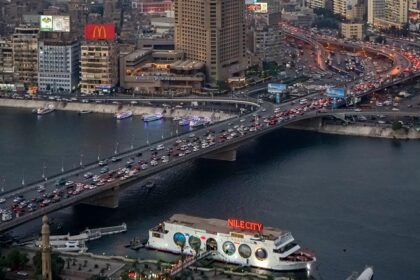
(245, 225)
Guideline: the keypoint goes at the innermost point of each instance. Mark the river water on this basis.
(354, 201)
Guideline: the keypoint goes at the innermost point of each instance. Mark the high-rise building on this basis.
(58, 65)
(213, 32)
(396, 11)
(375, 9)
(395, 14)
(6, 61)
(353, 10)
(25, 55)
(317, 4)
(98, 66)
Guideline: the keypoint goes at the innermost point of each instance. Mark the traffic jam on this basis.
(159, 155)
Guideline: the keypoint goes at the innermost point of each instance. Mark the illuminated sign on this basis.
(100, 31)
(61, 23)
(258, 8)
(46, 23)
(276, 88)
(54, 23)
(336, 92)
(245, 225)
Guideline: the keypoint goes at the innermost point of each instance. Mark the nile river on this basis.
(353, 201)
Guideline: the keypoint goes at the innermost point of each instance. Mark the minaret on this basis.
(46, 250)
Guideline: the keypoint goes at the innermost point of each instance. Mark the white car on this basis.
(2, 200)
(160, 147)
(153, 163)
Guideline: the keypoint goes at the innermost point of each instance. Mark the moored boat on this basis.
(235, 241)
(184, 122)
(152, 117)
(82, 112)
(45, 110)
(123, 115)
(199, 121)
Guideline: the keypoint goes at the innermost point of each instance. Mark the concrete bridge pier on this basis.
(108, 199)
(226, 154)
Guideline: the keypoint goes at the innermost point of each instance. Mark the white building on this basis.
(58, 69)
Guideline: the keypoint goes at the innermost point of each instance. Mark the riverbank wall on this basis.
(112, 108)
(356, 129)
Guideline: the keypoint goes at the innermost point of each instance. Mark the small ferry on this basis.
(199, 121)
(152, 117)
(235, 241)
(123, 115)
(184, 122)
(45, 110)
(65, 246)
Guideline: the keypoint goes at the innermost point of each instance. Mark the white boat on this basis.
(45, 110)
(65, 246)
(152, 117)
(199, 121)
(123, 115)
(234, 241)
(366, 274)
(177, 118)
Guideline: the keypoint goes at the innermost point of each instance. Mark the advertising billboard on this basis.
(46, 23)
(100, 31)
(61, 23)
(258, 8)
(276, 88)
(336, 92)
(247, 2)
(54, 23)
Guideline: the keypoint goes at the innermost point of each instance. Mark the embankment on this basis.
(110, 108)
(366, 130)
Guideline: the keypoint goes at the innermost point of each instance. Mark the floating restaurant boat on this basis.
(235, 241)
(152, 117)
(123, 115)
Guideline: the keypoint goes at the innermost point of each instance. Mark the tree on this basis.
(16, 260)
(396, 125)
(57, 265)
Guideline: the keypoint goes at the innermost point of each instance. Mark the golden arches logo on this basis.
(99, 32)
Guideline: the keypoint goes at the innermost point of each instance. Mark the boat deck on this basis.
(221, 226)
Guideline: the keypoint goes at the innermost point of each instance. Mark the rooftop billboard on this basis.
(100, 31)
(258, 8)
(276, 88)
(336, 92)
(54, 23)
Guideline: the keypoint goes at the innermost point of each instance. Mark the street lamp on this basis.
(116, 149)
(81, 160)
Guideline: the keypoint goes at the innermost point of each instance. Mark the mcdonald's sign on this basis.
(100, 31)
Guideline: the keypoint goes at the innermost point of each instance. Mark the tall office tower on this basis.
(58, 65)
(375, 9)
(25, 55)
(396, 11)
(317, 4)
(98, 66)
(213, 32)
